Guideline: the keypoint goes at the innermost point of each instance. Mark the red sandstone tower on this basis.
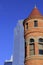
(33, 34)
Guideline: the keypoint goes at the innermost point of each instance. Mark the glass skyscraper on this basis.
(18, 55)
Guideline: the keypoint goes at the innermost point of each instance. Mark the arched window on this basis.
(40, 40)
(31, 46)
(31, 40)
(40, 46)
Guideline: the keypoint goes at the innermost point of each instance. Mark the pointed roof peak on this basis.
(35, 6)
(35, 12)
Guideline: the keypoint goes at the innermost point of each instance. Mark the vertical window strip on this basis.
(35, 23)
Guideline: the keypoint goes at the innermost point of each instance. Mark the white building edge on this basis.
(11, 60)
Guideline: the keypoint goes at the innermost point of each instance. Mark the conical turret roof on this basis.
(35, 12)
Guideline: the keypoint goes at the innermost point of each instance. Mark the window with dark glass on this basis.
(26, 25)
(40, 46)
(25, 50)
(31, 46)
(41, 40)
(35, 23)
(31, 40)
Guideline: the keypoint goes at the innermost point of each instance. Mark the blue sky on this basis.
(10, 12)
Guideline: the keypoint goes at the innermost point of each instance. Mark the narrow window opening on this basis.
(32, 47)
(35, 23)
(40, 46)
(26, 25)
(25, 50)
